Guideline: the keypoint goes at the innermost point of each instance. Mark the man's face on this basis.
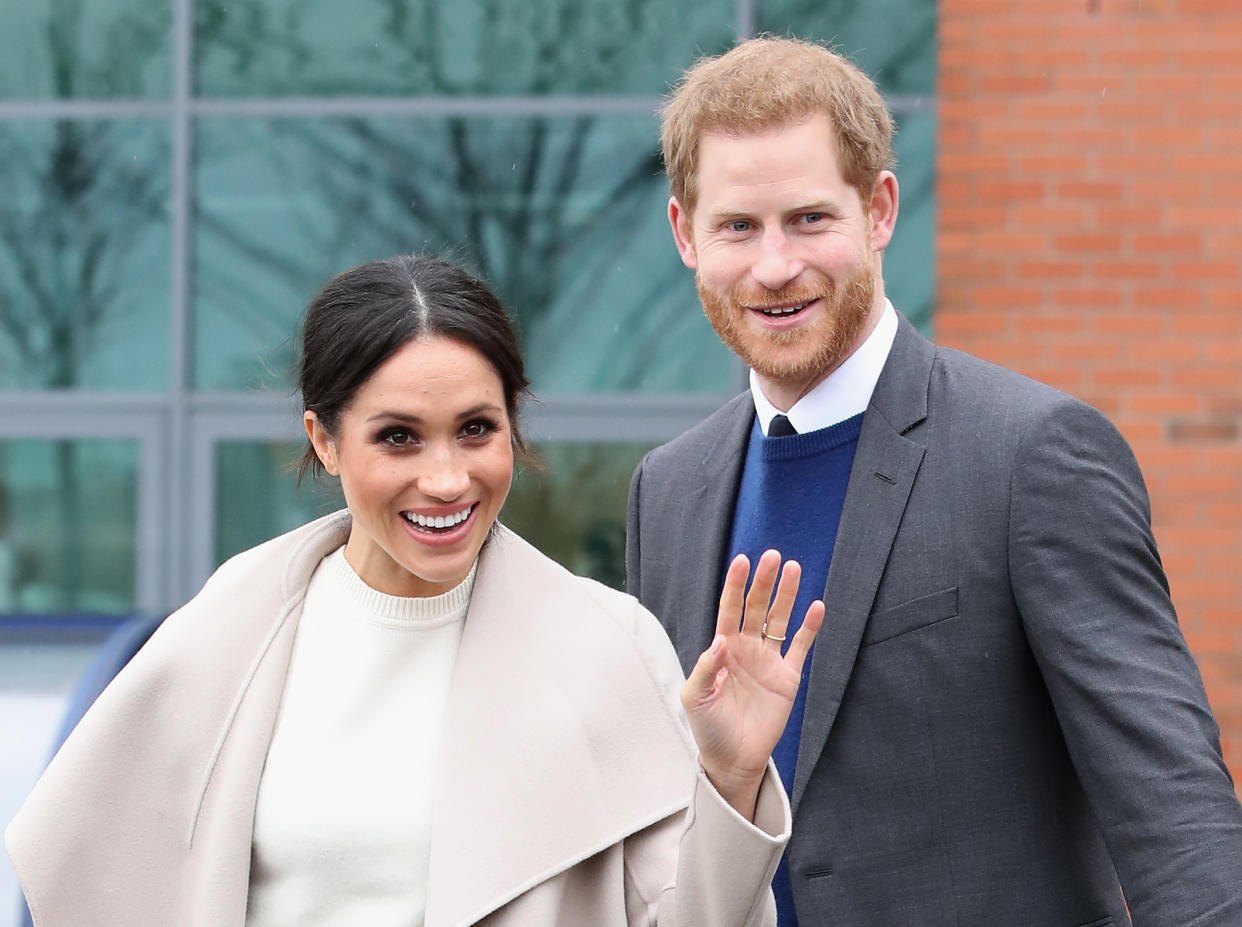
(785, 256)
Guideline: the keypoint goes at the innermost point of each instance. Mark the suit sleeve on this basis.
(708, 867)
(1127, 693)
(633, 547)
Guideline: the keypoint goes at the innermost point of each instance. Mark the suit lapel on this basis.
(882, 476)
(703, 546)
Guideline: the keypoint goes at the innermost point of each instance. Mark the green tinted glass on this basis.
(84, 266)
(892, 40)
(451, 47)
(257, 496)
(909, 262)
(68, 525)
(574, 509)
(101, 49)
(564, 216)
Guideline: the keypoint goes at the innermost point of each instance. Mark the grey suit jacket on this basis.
(1003, 721)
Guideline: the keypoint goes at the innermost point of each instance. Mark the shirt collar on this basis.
(843, 393)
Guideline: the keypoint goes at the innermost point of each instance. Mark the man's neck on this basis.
(842, 393)
(785, 393)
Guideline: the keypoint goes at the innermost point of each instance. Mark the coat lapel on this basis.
(153, 794)
(704, 546)
(882, 476)
(553, 749)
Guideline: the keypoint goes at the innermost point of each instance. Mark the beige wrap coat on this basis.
(568, 788)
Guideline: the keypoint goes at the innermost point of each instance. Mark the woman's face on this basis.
(425, 456)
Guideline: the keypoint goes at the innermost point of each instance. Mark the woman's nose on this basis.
(445, 479)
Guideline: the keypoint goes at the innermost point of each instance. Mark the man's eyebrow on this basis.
(731, 212)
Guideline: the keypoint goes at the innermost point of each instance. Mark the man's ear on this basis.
(883, 212)
(683, 234)
(321, 441)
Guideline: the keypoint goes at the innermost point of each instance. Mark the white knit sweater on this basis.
(342, 825)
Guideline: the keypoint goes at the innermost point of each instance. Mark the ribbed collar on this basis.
(414, 613)
(811, 443)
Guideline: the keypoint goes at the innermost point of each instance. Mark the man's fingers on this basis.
(800, 646)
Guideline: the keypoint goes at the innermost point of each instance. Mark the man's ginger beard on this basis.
(798, 355)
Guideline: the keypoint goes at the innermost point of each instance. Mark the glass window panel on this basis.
(574, 508)
(909, 261)
(565, 216)
(68, 524)
(84, 254)
(892, 40)
(101, 49)
(257, 496)
(251, 48)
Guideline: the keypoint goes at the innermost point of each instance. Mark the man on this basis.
(1001, 723)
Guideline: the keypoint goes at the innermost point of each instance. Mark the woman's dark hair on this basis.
(364, 315)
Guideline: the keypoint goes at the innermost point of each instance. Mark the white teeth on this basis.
(788, 310)
(438, 521)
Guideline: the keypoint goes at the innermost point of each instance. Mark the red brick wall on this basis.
(1090, 234)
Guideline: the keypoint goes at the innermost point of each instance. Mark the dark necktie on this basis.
(780, 426)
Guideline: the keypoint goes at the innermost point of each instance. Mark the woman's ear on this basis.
(321, 441)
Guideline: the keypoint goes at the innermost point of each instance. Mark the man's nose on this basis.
(777, 264)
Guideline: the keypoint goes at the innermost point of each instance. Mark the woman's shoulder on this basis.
(550, 585)
(608, 630)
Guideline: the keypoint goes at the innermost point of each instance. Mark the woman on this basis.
(403, 713)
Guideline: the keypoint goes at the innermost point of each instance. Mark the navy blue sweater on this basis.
(790, 498)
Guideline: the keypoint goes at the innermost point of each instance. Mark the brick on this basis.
(1014, 83)
(1227, 215)
(1090, 189)
(1050, 323)
(1127, 376)
(1164, 402)
(1067, 162)
(1087, 296)
(1207, 109)
(1060, 270)
(1167, 298)
(1198, 430)
(1011, 297)
(1224, 297)
(1166, 351)
(1128, 270)
(1098, 241)
(1204, 379)
(1053, 213)
(1110, 325)
(1004, 189)
(1186, 242)
(970, 162)
(1213, 270)
(1130, 216)
(1200, 163)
